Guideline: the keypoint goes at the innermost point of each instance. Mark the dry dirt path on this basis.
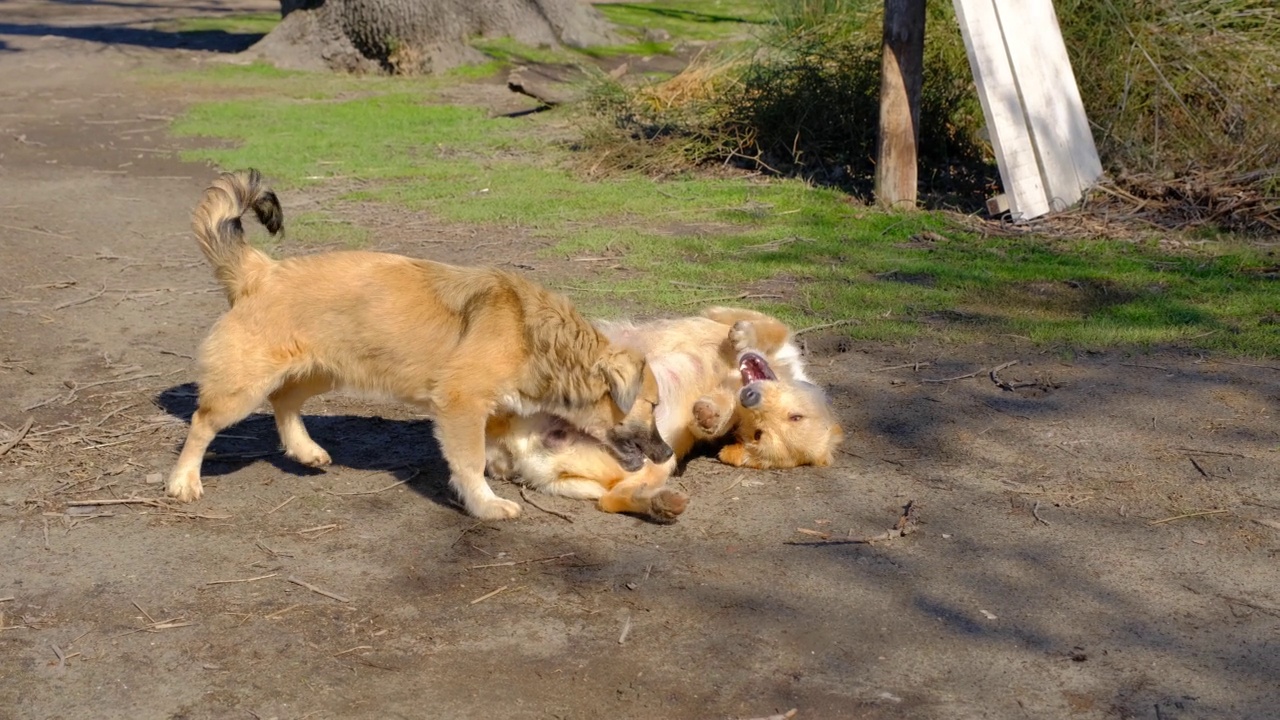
(1038, 585)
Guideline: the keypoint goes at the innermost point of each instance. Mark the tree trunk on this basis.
(418, 36)
(901, 77)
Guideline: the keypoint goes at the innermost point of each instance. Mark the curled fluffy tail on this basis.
(216, 221)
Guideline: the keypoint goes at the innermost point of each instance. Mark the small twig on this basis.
(1035, 513)
(1240, 364)
(1210, 452)
(269, 551)
(1149, 367)
(626, 630)
(995, 377)
(7, 599)
(952, 379)
(317, 528)
(62, 657)
(512, 563)
(1197, 467)
(824, 326)
(286, 502)
(145, 614)
(548, 511)
(788, 715)
(1188, 515)
(487, 595)
(116, 501)
(913, 366)
(317, 590)
(17, 438)
(372, 492)
(37, 231)
(81, 301)
(278, 613)
(351, 650)
(246, 580)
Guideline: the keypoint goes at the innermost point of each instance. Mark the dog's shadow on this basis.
(405, 448)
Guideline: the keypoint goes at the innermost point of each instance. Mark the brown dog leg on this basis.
(460, 431)
(287, 403)
(643, 493)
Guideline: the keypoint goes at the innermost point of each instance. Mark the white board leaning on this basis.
(1039, 131)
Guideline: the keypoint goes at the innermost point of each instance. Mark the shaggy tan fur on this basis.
(461, 343)
(706, 395)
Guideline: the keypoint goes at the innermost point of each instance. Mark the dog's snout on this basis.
(750, 396)
(662, 452)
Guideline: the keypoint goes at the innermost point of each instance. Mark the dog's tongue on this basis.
(753, 368)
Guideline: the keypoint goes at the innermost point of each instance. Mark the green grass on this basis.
(808, 254)
(248, 24)
(707, 21)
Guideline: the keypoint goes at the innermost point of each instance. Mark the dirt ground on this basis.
(1038, 585)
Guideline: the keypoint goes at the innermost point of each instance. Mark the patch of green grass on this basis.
(708, 20)
(246, 24)
(510, 51)
(807, 254)
(377, 137)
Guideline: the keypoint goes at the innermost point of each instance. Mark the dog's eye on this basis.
(759, 434)
(795, 417)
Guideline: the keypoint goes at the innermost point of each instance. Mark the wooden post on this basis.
(901, 77)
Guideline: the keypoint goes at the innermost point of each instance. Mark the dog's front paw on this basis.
(185, 485)
(494, 509)
(707, 418)
(667, 504)
(313, 456)
(743, 336)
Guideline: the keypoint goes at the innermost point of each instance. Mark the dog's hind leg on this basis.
(287, 402)
(460, 431)
(218, 408)
(644, 493)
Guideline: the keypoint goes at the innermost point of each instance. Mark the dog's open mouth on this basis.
(754, 368)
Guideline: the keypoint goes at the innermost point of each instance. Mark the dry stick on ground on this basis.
(1197, 467)
(114, 501)
(278, 613)
(1035, 513)
(548, 511)
(975, 373)
(245, 580)
(351, 650)
(1187, 515)
(905, 525)
(626, 630)
(993, 373)
(511, 563)
(1211, 452)
(373, 492)
(784, 716)
(824, 326)
(286, 502)
(914, 366)
(317, 590)
(81, 301)
(487, 595)
(17, 438)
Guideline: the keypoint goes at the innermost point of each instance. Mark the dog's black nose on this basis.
(750, 396)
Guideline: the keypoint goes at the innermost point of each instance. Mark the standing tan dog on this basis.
(461, 343)
(732, 375)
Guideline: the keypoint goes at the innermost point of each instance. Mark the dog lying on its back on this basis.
(461, 343)
(732, 375)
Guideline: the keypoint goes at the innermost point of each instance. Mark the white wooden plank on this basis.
(1001, 106)
(1051, 100)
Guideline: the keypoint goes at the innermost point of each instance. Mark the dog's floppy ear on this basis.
(624, 374)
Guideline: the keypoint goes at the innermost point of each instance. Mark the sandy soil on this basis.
(1038, 585)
